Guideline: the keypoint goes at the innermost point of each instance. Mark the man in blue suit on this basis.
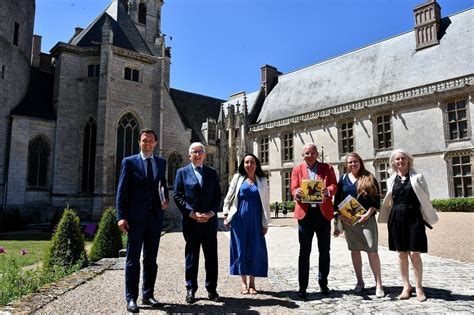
(197, 194)
(140, 215)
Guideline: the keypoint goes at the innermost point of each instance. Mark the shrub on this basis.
(108, 240)
(289, 205)
(454, 204)
(67, 245)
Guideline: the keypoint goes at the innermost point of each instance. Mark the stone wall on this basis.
(14, 66)
(35, 204)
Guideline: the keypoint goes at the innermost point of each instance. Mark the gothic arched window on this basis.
(88, 156)
(38, 155)
(127, 139)
(174, 162)
(142, 12)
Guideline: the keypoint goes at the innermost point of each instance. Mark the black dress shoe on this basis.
(213, 296)
(190, 299)
(132, 307)
(152, 302)
(325, 290)
(302, 295)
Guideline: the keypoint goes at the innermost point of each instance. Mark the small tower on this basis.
(146, 14)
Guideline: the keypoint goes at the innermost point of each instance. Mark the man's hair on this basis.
(195, 144)
(311, 145)
(147, 130)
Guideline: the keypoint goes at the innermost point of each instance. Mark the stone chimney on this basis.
(269, 77)
(427, 23)
(36, 51)
(77, 30)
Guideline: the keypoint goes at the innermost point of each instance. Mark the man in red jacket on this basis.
(313, 217)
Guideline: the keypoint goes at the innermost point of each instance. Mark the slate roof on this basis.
(126, 35)
(38, 100)
(251, 99)
(194, 109)
(384, 67)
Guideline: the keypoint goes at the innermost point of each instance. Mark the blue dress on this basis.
(248, 249)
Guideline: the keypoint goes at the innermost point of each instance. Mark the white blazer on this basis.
(234, 188)
(420, 187)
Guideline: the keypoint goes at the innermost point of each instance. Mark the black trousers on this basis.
(314, 222)
(146, 236)
(197, 235)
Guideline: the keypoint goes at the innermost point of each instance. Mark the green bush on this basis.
(67, 245)
(289, 205)
(454, 204)
(108, 240)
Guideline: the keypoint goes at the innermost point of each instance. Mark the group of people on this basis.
(142, 195)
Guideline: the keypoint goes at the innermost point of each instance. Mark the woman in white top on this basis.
(407, 209)
(247, 213)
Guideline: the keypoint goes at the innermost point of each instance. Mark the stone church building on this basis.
(69, 117)
(412, 91)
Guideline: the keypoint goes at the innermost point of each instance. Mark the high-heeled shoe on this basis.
(359, 287)
(420, 296)
(406, 293)
(379, 292)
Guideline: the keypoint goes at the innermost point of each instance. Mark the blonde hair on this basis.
(366, 183)
(406, 154)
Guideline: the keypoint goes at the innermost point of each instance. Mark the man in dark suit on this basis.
(198, 195)
(140, 215)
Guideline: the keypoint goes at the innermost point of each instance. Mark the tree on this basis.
(108, 240)
(67, 249)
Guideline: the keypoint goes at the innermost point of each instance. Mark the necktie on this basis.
(149, 172)
(199, 170)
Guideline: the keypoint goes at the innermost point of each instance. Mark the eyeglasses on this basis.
(197, 152)
(310, 153)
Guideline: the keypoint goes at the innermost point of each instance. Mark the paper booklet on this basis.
(161, 191)
(351, 208)
(312, 190)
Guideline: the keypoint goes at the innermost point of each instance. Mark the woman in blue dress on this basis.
(247, 213)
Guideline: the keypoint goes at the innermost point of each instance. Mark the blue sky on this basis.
(218, 46)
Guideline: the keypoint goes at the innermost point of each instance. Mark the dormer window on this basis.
(132, 74)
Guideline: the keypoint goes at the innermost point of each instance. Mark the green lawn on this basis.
(35, 251)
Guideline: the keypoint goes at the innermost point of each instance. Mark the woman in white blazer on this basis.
(407, 209)
(247, 213)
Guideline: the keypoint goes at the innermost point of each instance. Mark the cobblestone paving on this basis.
(448, 283)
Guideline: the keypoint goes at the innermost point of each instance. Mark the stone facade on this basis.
(110, 80)
(422, 103)
(16, 18)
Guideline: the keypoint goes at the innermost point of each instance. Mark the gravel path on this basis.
(448, 282)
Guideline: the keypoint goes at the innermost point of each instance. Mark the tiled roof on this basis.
(195, 109)
(384, 67)
(38, 100)
(126, 35)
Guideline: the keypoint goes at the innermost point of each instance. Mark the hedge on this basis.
(454, 204)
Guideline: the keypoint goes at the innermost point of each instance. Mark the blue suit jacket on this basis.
(190, 196)
(134, 194)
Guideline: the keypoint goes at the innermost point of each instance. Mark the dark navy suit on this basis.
(139, 203)
(190, 196)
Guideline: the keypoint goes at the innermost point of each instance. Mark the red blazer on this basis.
(325, 172)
